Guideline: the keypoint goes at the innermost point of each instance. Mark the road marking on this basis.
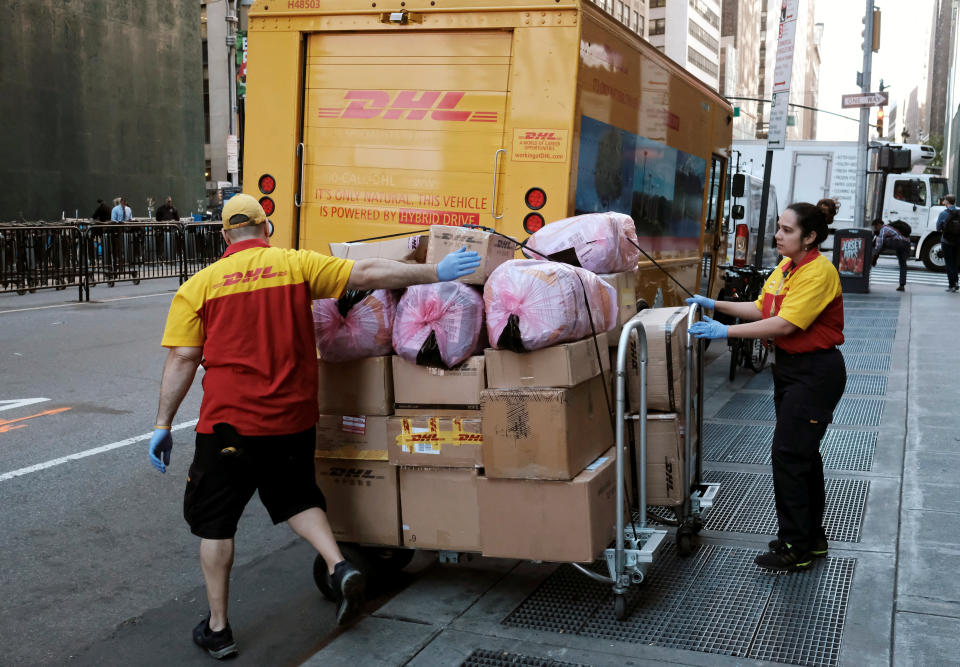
(84, 303)
(88, 452)
(5, 423)
(19, 403)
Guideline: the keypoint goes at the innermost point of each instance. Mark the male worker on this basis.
(168, 211)
(247, 318)
(949, 238)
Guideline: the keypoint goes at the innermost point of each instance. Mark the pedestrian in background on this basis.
(801, 309)
(257, 426)
(102, 214)
(948, 224)
(167, 211)
(116, 215)
(895, 237)
(127, 211)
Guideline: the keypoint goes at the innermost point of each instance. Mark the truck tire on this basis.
(931, 255)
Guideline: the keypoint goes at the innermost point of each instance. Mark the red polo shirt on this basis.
(250, 312)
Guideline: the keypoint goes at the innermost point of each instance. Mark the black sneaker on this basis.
(349, 584)
(219, 644)
(784, 559)
(819, 549)
(900, 289)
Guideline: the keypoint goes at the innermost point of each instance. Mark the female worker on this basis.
(801, 309)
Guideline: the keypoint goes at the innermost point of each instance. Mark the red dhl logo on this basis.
(250, 276)
(541, 135)
(407, 104)
(455, 436)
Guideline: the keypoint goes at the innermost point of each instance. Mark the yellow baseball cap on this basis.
(242, 210)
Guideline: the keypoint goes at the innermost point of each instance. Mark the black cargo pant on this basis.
(807, 388)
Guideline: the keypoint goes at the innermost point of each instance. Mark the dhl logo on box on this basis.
(407, 104)
(413, 439)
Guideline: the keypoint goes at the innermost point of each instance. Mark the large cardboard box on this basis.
(361, 387)
(548, 520)
(626, 285)
(494, 250)
(550, 433)
(564, 365)
(665, 458)
(348, 437)
(363, 500)
(439, 508)
(428, 439)
(421, 386)
(405, 249)
(666, 330)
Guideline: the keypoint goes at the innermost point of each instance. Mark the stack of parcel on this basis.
(446, 429)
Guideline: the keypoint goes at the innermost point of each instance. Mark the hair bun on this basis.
(829, 208)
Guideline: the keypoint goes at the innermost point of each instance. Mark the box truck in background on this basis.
(743, 216)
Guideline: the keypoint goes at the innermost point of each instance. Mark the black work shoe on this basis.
(784, 559)
(219, 644)
(349, 583)
(818, 550)
(900, 289)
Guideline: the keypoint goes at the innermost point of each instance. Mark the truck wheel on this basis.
(932, 255)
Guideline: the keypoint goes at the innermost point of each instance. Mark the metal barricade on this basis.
(131, 252)
(203, 245)
(40, 256)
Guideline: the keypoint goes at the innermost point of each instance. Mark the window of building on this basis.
(658, 27)
(708, 14)
(701, 61)
(641, 24)
(703, 37)
(657, 3)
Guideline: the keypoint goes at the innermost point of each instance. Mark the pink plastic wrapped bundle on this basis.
(439, 324)
(355, 326)
(532, 304)
(603, 242)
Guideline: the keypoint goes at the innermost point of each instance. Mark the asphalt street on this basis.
(92, 545)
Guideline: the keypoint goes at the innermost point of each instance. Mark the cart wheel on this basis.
(620, 607)
(685, 545)
(385, 558)
(320, 578)
(110, 283)
(21, 292)
(136, 281)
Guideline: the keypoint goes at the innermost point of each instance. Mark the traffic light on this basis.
(880, 121)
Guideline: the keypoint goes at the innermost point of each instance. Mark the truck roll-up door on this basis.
(401, 129)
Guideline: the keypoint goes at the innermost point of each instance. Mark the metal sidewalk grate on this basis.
(762, 381)
(745, 504)
(862, 310)
(867, 362)
(484, 658)
(759, 407)
(867, 346)
(715, 601)
(870, 322)
(841, 449)
(851, 332)
(866, 385)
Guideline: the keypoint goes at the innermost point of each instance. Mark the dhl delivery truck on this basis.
(366, 118)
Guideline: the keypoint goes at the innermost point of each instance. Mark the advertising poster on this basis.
(853, 253)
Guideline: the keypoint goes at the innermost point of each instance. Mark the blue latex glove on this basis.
(703, 302)
(708, 328)
(161, 443)
(457, 264)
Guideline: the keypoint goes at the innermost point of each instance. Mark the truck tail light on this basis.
(534, 222)
(535, 198)
(268, 206)
(740, 245)
(267, 184)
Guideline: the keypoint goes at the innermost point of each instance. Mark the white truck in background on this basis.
(744, 223)
(811, 170)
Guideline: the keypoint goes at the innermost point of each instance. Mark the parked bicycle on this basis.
(744, 283)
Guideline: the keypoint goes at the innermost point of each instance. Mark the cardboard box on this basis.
(553, 521)
(347, 437)
(433, 440)
(493, 250)
(403, 249)
(665, 458)
(421, 386)
(626, 285)
(439, 508)
(361, 387)
(439, 412)
(550, 433)
(363, 500)
(564, 365)
(666, 330)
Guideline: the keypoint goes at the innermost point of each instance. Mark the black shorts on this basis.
(219, 486)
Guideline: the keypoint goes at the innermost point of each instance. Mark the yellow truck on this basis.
(371, 118)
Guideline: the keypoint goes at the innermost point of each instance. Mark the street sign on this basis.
(865, 100)
(782, 73)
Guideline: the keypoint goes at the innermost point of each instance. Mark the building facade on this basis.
(688, 31)
(100, 99)
(741, 56)
(631, 13)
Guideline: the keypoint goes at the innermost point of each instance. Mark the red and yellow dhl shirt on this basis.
(250, 312)
(807, 295)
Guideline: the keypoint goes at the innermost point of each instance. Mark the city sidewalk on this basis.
(887, 594)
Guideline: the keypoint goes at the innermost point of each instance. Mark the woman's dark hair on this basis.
(812, 219)
(829, 208)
